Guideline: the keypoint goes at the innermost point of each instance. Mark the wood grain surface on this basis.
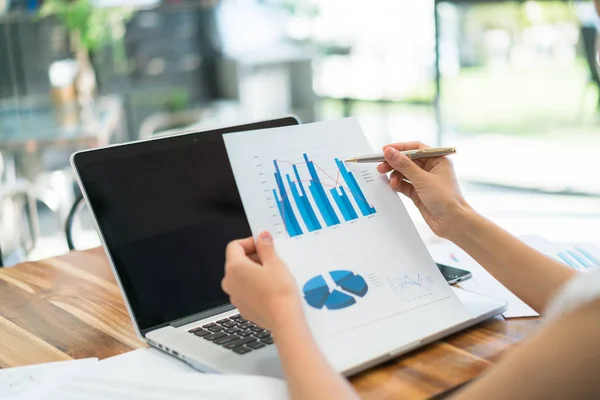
(70, 307)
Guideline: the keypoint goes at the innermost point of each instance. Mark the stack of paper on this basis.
(18, 383)
(133, 375)
(580, 256)
(107, 385)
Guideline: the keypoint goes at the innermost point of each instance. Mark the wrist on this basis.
(460, 220)
(291, 336)
(287, 316)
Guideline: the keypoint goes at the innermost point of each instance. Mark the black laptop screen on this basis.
(167, 209)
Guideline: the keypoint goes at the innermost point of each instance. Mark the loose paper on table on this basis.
(580, 256)
(133, 375)
(176, 385)
(482, 282)
(17, 383)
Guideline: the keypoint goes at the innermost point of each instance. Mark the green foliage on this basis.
(513, 16)
(174, 100)
(94, 26)
(301, 7)
(547, 99)
(178, 100)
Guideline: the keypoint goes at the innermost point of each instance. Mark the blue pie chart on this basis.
(349, 287)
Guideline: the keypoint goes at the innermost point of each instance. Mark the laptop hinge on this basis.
(201, 315)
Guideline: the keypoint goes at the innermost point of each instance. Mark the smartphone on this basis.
(453, 275)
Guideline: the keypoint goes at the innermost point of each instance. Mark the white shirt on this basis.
(577, 292)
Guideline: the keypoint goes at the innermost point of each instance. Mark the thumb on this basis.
(266, 249)
(404, 165)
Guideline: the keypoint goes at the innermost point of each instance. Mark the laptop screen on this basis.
(167, 209)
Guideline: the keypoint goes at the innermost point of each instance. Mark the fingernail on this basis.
(266, 236)
(390, 152)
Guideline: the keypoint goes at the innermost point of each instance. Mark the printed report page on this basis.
(343, 232)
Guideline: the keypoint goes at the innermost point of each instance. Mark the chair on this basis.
(79, 223)
(75, 209)
(17, 202)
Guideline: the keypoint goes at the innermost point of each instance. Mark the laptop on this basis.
(165, 209)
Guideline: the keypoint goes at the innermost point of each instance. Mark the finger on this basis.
(248, 244)
(408, 190)
(421, 163)
(396, 180)
(225, 285)
(405, 165)
(234, 250)
(238, 274)
(266, 249)
(384, 168)
(241, 250)
(402, 146)
(431, 163)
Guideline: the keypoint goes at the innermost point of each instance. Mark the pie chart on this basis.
(349, 287)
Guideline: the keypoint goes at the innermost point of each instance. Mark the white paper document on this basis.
(170, 386)
(148, 360)
(482, 282)
(344, 233)
(579, 256)
(20, 382)
(140, 374)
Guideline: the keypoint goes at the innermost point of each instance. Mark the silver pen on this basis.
(412, 154)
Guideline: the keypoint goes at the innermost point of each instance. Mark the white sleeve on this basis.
(577, 292)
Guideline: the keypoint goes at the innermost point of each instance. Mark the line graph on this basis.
(309, 198)
(411, 288)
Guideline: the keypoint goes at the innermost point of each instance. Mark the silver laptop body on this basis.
(172, 335)
(208, 357)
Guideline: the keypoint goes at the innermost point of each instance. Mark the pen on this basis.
(412, 154)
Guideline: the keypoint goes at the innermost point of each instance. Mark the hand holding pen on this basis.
(429, 182)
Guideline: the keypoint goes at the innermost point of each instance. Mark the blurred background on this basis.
(513, 84)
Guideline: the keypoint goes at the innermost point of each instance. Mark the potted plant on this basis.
(89, 29)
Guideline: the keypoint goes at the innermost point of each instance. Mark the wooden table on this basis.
(70, 307)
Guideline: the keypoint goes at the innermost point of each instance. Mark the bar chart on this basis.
(309, 199)
(579, 258)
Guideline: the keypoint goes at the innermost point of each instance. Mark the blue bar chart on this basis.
(319, 200)
(578, 258)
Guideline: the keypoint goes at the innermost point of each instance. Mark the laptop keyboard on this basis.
(235, 333)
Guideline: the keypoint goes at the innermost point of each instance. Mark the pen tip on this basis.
(350, 160)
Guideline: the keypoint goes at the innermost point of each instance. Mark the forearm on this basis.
(308, 374)
(559, 362)
(530, 275)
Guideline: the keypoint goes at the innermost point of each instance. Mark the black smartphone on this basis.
(453, 275)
